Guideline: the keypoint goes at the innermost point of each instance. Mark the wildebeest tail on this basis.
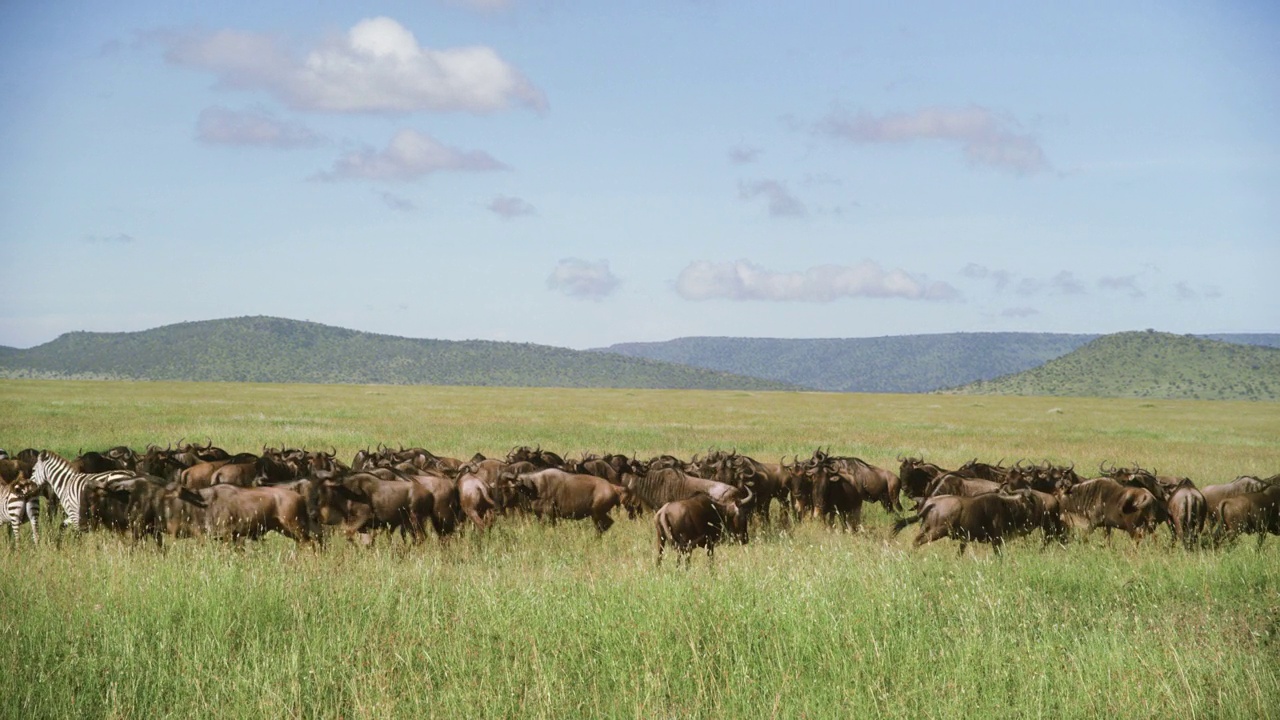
(900, 525)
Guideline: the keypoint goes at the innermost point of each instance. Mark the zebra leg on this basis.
(33, 512)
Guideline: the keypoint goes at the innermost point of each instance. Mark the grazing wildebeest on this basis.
(697, 521)
(1215, 494)
(1255, 512)
(989, 518)
(235, 513)
(1103, 502)
(558, 494)
(363, 502)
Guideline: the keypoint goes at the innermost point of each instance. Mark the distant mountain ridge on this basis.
(1149, 364)
(892, 364)
(267, 349)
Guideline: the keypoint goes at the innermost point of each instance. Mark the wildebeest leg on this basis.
(603, 523)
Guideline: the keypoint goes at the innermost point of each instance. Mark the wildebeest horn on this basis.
(747, 500)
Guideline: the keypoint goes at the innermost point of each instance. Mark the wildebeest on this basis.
(1215, 494)
(694, 522)
(236, 513)
(363, 502)
(139, 506)
(1254, 512)
(474, 497)
(989, 518)
(557, 494)
(914, 477)
(1103, 502)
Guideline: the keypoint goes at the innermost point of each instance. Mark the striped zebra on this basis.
(19, 502)
(52, 470)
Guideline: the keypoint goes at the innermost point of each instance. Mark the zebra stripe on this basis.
(18, 507)
(52, 470)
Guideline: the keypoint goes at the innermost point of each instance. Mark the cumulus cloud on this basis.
(508, 208)
(408, 156)
(581, 279)
(743, 280)
(220, 126)
(985, 137)
(1001, 278)
(781, 202)
(375, 67)
(1123, 283)
(1063, 283)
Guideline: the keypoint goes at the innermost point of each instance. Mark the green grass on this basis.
(554, 622)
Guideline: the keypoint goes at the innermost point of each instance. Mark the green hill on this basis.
(897, 364)
(1149, 364)
(265, 349)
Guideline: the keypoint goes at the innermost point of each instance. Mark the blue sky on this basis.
(581, 174)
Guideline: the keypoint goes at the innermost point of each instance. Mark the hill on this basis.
(896, 364)
(266, 349)
(1149, 364)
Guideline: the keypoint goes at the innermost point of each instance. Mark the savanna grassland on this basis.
(543, 621)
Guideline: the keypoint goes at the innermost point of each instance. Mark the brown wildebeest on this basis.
(1187, 511)
(989, 518)
(136, 505)
(660, 486)
(1103, 502)
(836, 494)
(1215, 494)
(363, 502)
(234, 513)
(953, 484)
(558, 494)
(697, 521)
(240, 471)
(475, 500)
(877, 484)
(914, 477)
(1255, 512)
(200, 475)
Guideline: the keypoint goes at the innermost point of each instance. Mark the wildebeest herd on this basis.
(194, 490)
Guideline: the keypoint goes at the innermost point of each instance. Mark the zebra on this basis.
(19, 502)
(53, 471)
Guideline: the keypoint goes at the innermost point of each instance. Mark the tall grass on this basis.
(543, 621)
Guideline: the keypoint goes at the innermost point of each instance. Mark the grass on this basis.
(553, 622)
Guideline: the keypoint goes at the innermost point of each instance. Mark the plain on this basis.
(533, 620)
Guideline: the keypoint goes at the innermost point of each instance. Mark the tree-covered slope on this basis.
(905, 363)
(1150, 364)
(264, 349)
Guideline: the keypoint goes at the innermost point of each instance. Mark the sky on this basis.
(585, 173)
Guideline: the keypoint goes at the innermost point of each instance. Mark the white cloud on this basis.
(220, 126)
(582, 279)
(743, 280)
(781, 202)
(377, 66)
(507, 207)
(1001, 278)
(985, 137)
(1063, 283)
(408, 156)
